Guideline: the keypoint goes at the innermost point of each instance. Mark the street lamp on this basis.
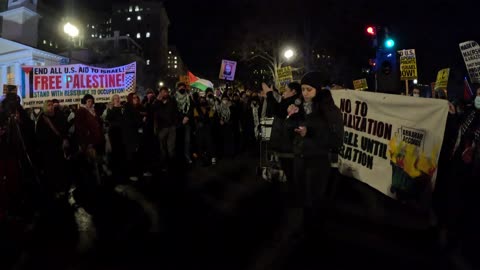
(288, 54)
(160, 83)
(72, 31)
(415, 81)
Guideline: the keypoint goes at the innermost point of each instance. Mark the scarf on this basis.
(224, 110)
(307, 107)
(183, 102)
(465, 127)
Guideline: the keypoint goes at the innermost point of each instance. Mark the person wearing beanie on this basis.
(317, 125)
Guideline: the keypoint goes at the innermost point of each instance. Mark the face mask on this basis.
(416, 95)
(181, 91)
(477, 102)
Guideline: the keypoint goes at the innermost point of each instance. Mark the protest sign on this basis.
(442, 79)
(69, 83)
(392, 142)
(408, 65)
(471, 56)
(227, 70)
(360, 84)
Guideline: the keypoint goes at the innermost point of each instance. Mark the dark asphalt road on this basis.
(221, 217)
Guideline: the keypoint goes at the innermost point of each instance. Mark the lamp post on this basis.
(72, 31)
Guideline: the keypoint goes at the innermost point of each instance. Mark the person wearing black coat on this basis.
(51, 136)
(131, 134)
(281, 141)
(318, 127)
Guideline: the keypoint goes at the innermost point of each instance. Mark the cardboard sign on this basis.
(442, 79)
(360, 84)
(227, 70)
(408, 65)
(471, 56)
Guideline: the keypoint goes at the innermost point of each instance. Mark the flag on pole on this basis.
(199, 83)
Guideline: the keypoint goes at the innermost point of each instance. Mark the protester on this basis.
(131, 134)
(166, 114)
(204, 119)
(318, 125)
(226, 127)
(185, 109)
(280, 141)
(416, 92)
(149, 142)
(51, 136)
(114, 119)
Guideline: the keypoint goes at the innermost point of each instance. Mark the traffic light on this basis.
(389, 43)
(371, 30)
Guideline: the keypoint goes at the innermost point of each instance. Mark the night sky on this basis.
(202, 30)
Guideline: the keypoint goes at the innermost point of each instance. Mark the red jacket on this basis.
(88, 128)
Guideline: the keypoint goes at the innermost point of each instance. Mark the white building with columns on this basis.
(19, 35)
(14, 55)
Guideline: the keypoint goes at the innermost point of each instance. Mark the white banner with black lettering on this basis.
(392, 142)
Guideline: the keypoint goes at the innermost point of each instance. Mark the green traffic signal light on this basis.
(389, 43)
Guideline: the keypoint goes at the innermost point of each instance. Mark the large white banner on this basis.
(69, 83)
(392, 142)
(471, 56)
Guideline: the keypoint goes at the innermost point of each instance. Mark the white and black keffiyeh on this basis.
(183, 102)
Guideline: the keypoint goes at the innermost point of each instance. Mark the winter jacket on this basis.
(281, 140)
(166, 114)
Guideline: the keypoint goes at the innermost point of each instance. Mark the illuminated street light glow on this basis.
(415, 81)
(70, 30)
(288, 53)
(389, 43)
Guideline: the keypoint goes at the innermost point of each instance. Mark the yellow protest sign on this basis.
(408, 65)
(285, 74)
(442, 79)
(360, 84)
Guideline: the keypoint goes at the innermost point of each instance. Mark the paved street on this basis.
(222, 217)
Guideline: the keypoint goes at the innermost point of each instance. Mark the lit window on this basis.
(56, 46)
(130, 9)
(148, 62)
(100, 36)
(175, 62)
(168, 66)
(119, 11)
(93, 26)
(128, 19)
(169, 57)
(138, 35)
(51, 44)
(175, 66)
(93, 35)
(148, 34)
(88, 25)
(139, 18)
(175, 58)
(44, 41)
(136, 8)
(128, 35)
(169, 52)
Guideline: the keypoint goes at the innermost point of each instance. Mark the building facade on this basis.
(147, 23)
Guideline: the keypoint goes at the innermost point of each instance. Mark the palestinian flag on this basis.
(201, 84)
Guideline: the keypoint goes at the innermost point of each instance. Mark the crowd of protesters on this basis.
(133, 139)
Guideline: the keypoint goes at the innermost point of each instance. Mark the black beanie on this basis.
(315, 79)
